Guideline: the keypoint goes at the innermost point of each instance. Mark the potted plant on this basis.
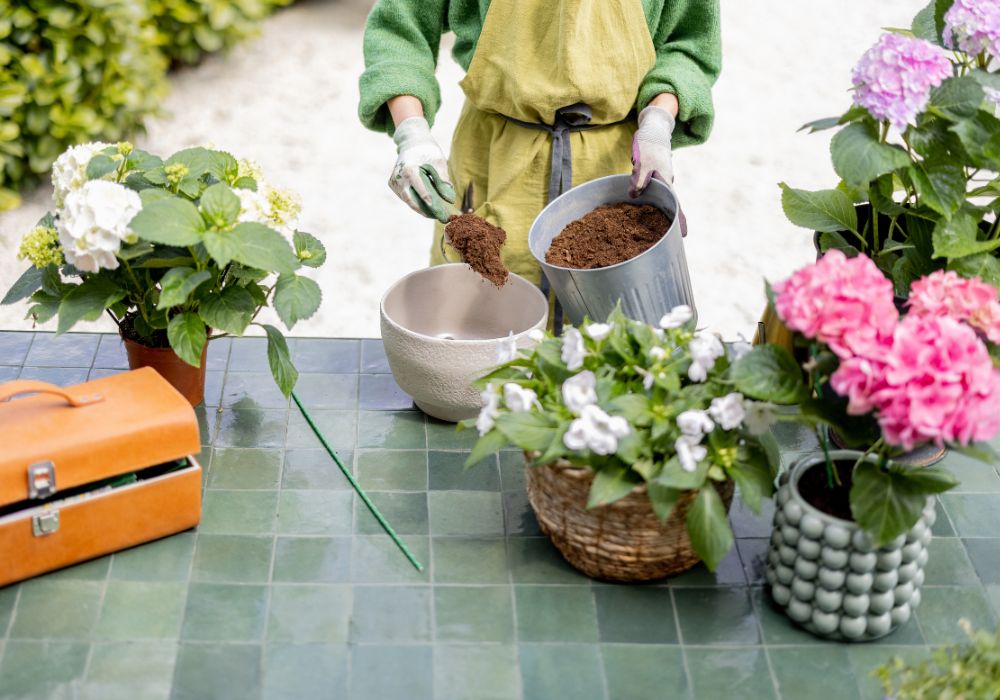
(851, 528)
(917, 152)
(176, 251)
(634, 440)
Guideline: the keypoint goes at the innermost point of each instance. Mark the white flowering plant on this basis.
(642, 406)
(177, 251)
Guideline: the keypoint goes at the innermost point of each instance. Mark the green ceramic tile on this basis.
(141, 610)
(9, 373)
(318, 391)
(312, 559)
(985, 555)
(942, 524)
(297, 671)
(512, 476)
(130, 670)
(303, 614)
(447, 472)
(941, 609)
(392, 430)
(476, 673)
(315, 512)
(208, 424)
(56, 609)
(555, 614)
(8, 599)
(864, 658)
(380, 392)
(225, 612)
(339, 428)
(793, 437)
(465, 513)
(232, 559)
(252, 390)
(392, 672)
(314, 469)
(753, 554)
(218, 354)
(168, 559)
(776, 627)
(474, 613)
(93, 570)
(373, 358)
(220, 672)
(406, 512)
(446, 436)
(110, 353)
(391, 614)
(637, 672)
(973, 476)
(561, 671)
(536, 560)
(377, 559)
(392, 470)
(993, 593)
(250, 354)
(48, 670)
(14, 347)
(519, 518)
(948, 564)
(973, 514)
(60, 376)
(716, 616)
(252, 427)
(69, 350)
(729, 572)
(214, 382)
(328, 355)
(735, 674)
(237, 468)
(470, 560)
(818, 672)
(746, 523)
(238, 512)
(635, 614)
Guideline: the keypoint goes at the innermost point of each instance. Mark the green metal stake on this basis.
(364, 496)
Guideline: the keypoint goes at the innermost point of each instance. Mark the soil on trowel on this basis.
(479, 243)
(815, 489)
(609, 235)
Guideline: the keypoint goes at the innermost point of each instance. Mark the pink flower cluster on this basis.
(973, 26)
(928, 377)
(894, 78)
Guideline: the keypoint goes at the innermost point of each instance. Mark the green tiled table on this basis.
(288, 589)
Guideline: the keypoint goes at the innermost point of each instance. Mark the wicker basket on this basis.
(623, 541)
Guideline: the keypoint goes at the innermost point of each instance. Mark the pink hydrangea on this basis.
(973, 26)
(859, 378)
(939, 385)
(945, 293)
(894, 78)
(844, 302)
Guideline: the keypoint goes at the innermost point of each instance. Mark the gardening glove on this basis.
(420, 177)
(651, 154)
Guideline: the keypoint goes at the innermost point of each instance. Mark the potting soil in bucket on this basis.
(609, 235)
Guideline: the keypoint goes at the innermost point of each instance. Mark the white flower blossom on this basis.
(689, 452)
(705, 350)
(519, 399)
(695, 423)
(490, 410)
(728, 410)
(647, 377)
(69, 171)
(573, 350)
(274, 207)
(598, 331)
(657, 352)
(579, 391)
(536, 335)
(507, 349)
(677, 317)
(760, 415)
(94, 222)
(738, 349)
(596, 431)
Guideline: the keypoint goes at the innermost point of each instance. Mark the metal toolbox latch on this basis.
(45, 523)
(41, 480)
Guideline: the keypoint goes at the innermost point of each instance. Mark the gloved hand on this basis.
(651, 154)
(420, 177)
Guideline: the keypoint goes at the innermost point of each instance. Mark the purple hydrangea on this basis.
(974, 26)
(894, 78)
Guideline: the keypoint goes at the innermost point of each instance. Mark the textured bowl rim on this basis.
(455, 342)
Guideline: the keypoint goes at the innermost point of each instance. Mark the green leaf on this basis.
(172, 221)
(980, 135)
(674, 476)
(284, 372)
(149, 196)
(44, 306)
(87, 301)
(941, 186)
(296, 298)
(230, 311)
(708, 527)
(99, 166)
(958, 96)
(859, 157)
(177, 284)
(820, 124)
(663, 499)
(136, 250)
(825, 210)
(198, 160)
(610, 484)
(27, 284)
(219, 206)
(253, 245)
(310, 251)
(836, 241)
(769, 373)
(528, 430)
(923, 26)
(985, 266)
(887, 503)
(754, 477)
(986, 79)
(222, 166)
(488, 444)
(959, 236)
(635, 408)
(187, 335)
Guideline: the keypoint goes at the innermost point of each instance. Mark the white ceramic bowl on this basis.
(442, 328)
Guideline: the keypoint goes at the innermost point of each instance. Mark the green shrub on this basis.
(71, 71)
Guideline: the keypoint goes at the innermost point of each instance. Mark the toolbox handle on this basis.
(30, 386)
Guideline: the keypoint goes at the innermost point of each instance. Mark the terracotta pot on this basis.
(188, 380)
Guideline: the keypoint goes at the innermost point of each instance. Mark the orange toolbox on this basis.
(92, 469)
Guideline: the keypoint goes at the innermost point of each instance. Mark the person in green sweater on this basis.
(552, 91)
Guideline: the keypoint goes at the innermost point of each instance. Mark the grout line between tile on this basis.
(758, 615)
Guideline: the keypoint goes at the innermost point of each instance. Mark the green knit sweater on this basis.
(401, 50)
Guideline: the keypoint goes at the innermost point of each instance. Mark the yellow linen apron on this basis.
(534, 59)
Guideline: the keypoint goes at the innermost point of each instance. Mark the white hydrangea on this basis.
(518, 398)
(760, 415)
(598, 331)
(490, 410)
(728, 410)
(579, 391)
(94, 222)
(596, 431)
(695, 423)
(573, 349)
(677, 317)
(69, 171)
(705, 350)
(271, 206)
(657, 353)
(690, 451)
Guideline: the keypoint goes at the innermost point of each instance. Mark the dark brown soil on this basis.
(609, 235)
(158, 339)
(814, 487)
(479, 242)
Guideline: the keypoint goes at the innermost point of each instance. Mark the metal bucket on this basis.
(648, 286)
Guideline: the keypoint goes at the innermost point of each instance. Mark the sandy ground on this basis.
(289, 99)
